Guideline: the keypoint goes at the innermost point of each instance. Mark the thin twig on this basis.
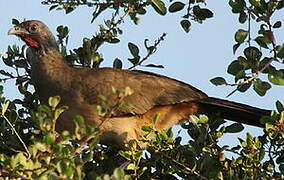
(157, 42)
(191, 171)
(78, 3)
(249, 23)
(121, 19)
(18, 136)
(13, 77)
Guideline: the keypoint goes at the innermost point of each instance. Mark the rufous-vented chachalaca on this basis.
(80, 89)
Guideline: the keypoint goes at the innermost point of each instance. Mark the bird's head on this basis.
(35, 34)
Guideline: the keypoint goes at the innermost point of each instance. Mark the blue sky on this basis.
(195, 58)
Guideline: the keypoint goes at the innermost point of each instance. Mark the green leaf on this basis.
(47, 139)
(18, 159)
(147, 128)
(115, 91)
(243, 17)
(59, 111)
(193, 119)
(218, 81)
(128, 91)
(88, 156)
(155, 117)
(277, 77)
(134, 60)
(62, 31)
(5, 107)
(203, 119)
(134, 50)
(234, 128)
(141, 11)
(241, 74)
(170, 133)
(185, 24)
(241, 35)
(280, 5)
(159, 7)
(53, 7)
(117, 63)
(206, 149)
(114, 40)
(97, 12)
(244, 87)
(280, 52)
(150, 49)
(131, 166)
(125, 154)
(255, 3)
(281, 168)
(260, 87)
(235, 47)
(202, 13)
(69, 9)
(79, 120)
(279, 106)
(235, 67)
(237, 6)
(252, 53)
(45, 109)
(21, 63)
(278, 24)
(176, 6)
(54, 101)
(261, 41)
(15, 22)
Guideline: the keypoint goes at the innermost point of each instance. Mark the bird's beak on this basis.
(17, 31)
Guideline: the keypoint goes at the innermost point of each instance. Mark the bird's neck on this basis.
(49, 71)
(47, 60)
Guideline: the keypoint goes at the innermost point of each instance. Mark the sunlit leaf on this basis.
(241, 35)
(276, 77)
(54, 101)
(159, 6)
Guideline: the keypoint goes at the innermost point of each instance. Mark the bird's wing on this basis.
(149, 90)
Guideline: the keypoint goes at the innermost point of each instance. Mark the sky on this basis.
(194, 57)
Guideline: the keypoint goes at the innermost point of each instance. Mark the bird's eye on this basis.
(33, 28)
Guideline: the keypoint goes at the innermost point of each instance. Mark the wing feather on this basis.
(149, 89)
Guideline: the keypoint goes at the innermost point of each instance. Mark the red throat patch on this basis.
(30, 42)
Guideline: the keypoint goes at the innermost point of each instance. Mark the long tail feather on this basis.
(233, 111)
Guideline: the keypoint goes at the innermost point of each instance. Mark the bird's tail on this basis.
(233, 111)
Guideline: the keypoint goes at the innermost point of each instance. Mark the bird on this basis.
(144, 98)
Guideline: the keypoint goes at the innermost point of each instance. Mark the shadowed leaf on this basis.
(176, 6)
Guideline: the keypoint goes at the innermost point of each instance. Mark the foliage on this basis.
(260, 50)
(78, 155)
(31, 149)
